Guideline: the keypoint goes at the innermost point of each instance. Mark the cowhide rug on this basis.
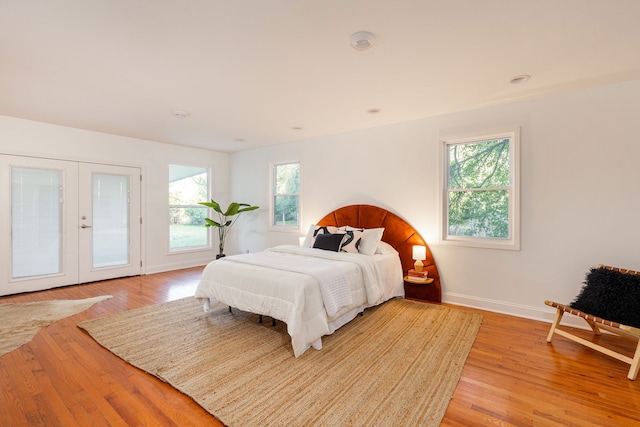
(20, 322)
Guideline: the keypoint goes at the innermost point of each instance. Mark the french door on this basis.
(109, 222)
(68, 222)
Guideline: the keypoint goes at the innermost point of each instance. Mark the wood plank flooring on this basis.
(512, 376)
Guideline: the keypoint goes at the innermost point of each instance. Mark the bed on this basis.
(317, 291)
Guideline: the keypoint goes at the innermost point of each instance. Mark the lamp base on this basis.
(418, 265)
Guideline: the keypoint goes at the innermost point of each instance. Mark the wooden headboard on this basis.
(397, 232)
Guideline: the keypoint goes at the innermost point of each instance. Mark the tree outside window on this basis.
(481, 191)
(188, 185)
(286, 195)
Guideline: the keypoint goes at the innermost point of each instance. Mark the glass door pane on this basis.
(110, 220)
(36, 222)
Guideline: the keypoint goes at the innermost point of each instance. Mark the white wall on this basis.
(580, 176)
(24, 137)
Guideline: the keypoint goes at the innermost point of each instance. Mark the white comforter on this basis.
(313, 291)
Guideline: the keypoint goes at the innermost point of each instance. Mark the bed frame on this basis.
(397, 232)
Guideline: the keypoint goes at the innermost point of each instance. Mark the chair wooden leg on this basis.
(555, 324)
(635, 364)
(594, 327)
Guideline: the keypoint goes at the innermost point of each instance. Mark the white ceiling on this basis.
(252, 71)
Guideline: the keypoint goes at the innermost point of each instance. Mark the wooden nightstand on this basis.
(419, 290)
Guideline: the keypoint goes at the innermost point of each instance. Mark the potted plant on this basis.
(225, 219)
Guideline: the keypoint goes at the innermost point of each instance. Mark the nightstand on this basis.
(420, 290)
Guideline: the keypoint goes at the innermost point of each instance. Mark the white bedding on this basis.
(285, 283)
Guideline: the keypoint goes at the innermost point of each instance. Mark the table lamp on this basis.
(419, 254)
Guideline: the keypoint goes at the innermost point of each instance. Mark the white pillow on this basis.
(308, 239)
(384, 248)
(370, 239)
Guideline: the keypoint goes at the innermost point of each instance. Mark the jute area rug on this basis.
(398, 365)
(20, 322)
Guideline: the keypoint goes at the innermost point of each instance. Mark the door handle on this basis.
(85, 226)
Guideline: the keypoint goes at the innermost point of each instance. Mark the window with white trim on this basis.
(285, 196)
(188, 185)
(481, 191)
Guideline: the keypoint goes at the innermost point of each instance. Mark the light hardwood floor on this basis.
(512, 377)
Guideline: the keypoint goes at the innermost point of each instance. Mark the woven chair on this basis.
(596, 324)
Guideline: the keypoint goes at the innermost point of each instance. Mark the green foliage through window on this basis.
(479, 188)
(188, 185)
(286, 189)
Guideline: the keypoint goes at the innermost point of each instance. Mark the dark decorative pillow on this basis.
(611, 295)
(328, 242)
(314, 230)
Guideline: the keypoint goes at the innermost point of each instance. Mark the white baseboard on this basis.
(542, 313)
(174, 266)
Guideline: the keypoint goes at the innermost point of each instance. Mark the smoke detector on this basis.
(362, 40)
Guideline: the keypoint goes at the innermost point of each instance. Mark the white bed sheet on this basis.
(294, 297)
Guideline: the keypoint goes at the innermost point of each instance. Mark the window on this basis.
(481, 191)
(188, 185)
(286, 195)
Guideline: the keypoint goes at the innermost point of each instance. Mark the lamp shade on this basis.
(420, 252)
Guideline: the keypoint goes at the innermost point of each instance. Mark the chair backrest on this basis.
(621, 270)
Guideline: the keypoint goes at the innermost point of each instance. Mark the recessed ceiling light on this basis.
(362, 40)
(296, 128)
(373, 110)
(181, 114)
(520, 79)
(239, 140)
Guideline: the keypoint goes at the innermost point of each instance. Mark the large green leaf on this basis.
(212, 204)
(211, 223)
(232, 209)
(247, 209)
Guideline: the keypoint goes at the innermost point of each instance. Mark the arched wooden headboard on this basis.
(397, 232)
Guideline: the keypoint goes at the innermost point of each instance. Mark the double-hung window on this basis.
(481, 191)
(285, 196)
(188, 185)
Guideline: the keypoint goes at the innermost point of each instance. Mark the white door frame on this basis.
(69, 273)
